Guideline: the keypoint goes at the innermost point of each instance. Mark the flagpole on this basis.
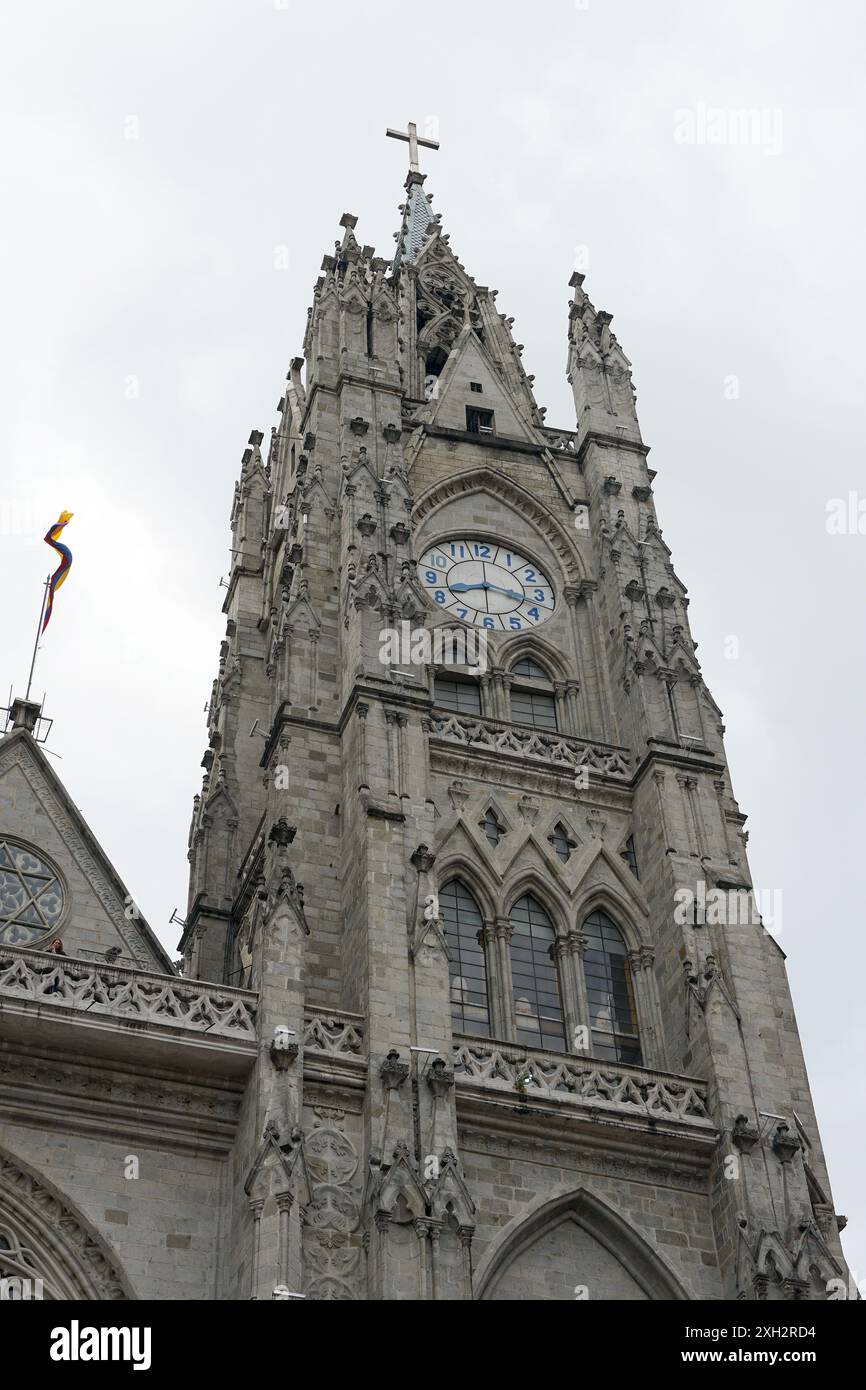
(38, 635)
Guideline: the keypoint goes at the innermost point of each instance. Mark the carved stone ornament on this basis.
(283, 1049)
(393, 1072)
(367, 525)
(744, 1135)
(392, 434)
(439, 1078)
(359, 425)
(282, 834)
(423, 860)
(785, 1143)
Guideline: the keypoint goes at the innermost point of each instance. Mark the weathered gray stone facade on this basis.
(330, 1100)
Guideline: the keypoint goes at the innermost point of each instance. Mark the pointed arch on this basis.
(625, 901)
(537, 993)
(533, 646)
(467, 965)
(473, 874)
(645, 1265)
(44, 1236)
(489, 480)
(529, 881)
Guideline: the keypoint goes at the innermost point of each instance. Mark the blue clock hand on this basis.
(509, 593)
(464, 588)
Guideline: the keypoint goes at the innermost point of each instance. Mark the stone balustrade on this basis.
(583, 1081)
(561, 750)
(339, 1035)
(95, 988)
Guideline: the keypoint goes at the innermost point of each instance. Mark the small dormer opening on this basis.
(476, 386)
(479, 421)
(370, 352)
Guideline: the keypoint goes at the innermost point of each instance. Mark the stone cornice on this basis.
(669, 757)
(486, 441)
(635, 446)
(97, 1096)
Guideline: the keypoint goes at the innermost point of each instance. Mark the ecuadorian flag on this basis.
(52, 538)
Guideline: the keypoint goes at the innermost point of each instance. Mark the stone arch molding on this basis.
(495, 484)
(643, 1264)
(43, 1236)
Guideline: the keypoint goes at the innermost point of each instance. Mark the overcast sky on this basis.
(174, 174)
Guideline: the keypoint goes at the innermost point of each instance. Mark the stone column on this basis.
(642, 966)
(256, 1208)
(465, 1234)
(435, 1230)
(421, 1231)
(577, 944)
(504, 933)
(561, 955)
(284, 1206)
(489, 941)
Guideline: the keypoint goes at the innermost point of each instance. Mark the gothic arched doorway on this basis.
(43, 1238)
(572, 1247)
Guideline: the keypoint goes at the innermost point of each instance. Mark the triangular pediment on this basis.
(99, 915)
(603, 875)
(469, 361)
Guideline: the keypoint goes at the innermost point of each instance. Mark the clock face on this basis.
(487, 585)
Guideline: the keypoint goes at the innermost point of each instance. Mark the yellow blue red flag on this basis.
(52, 538)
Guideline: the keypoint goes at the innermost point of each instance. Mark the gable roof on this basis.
(73, 845)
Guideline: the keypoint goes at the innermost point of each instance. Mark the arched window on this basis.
(612, 1012)
(537, 1008)
(463, 922)
(532, 700)
(460, 696)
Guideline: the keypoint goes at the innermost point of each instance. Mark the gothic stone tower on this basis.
(496, 1057)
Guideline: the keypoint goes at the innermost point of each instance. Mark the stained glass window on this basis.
(463, 697)
(463, 923)
(613, 1016)
(534, 707)
(31, 895)
(537, 1007)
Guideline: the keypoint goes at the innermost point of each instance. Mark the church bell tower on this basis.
(467, 827)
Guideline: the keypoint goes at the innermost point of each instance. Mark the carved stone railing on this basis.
(339, 1035)
(92, 988)
(585, 1081)
(560, 750)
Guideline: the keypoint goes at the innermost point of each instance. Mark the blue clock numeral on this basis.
(541, 595)
(534, 615)
(516, 624)
(482, 551)
(529, 576)
(439, 596)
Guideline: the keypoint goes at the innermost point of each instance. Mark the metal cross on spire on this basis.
(413, 140)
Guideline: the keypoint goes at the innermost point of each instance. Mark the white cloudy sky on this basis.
(148, 264)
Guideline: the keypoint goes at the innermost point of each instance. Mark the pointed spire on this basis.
(419, 221)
